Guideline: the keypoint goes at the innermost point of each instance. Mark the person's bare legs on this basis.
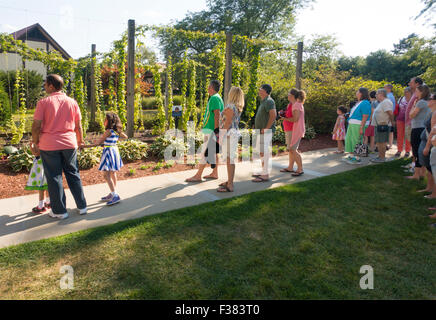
(417, 174)
(113, 177)
(298, 160)
(430, 185)
(391, 139)
(372, 143)
(381, 150)
(107, 177)
(291, 162)
(214, 174)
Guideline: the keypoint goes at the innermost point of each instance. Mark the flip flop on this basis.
(192, 180)
(223, 184)
(297, 174)
(225, 189)
(259, 179)
(286, 170)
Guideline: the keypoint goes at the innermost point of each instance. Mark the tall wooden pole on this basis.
(228, 73)
(299, 65)
(130, 78)
(93, 97)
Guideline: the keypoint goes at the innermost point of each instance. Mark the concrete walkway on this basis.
(154, 194)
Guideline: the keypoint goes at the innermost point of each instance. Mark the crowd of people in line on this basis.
(57, 134)
(372, 120)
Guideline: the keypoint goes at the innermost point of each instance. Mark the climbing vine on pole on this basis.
(99, 102)
(219, 54)
(137, 112)
(192, 94)
(79, 95)
(184, 85)
(112, 97)
(170, 94)
(161, 118)
(205, 95)
(18, 132)
(254, 77)
(122, 60)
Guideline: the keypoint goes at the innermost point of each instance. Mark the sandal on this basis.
(339, 152)
(260, 179)
(286, 170)
(224, 184)
(224, 189)
(297, 174)
(193, 180)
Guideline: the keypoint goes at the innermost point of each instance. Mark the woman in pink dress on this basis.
(339, 129)
(298, 130)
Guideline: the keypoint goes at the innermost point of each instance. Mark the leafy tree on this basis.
(405, 44)
(321, 50)
(256, 19)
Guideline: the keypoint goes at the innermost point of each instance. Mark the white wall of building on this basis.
(12, 61)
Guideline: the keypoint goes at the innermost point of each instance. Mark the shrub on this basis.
(149, 118)
(149, 103)
(279, 135)
(133, 149)
(310, 132)
(89, 157)
(282, 149)
(159, 145)
(22, 159)
(275, 150)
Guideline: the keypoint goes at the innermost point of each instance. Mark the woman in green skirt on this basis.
(357, 123)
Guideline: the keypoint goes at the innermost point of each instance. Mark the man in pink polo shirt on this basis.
(56, 134)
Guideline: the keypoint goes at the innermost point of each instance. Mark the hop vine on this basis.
(170, 94)
(161, 118)
(254, 78)
(122, 111)
(18, 131)
(184, 85)
(79, 95)
(192, 94)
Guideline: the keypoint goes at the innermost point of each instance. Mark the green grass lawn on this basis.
(302, 241)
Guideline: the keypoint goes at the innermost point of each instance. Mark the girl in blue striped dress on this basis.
(111, 161)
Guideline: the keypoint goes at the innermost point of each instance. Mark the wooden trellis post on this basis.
(93, 97)
(130, 78)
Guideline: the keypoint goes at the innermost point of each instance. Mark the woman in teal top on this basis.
(357, 123)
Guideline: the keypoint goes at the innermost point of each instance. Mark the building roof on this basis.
(36, 32)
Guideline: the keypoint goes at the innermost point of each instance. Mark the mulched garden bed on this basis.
(12, 184)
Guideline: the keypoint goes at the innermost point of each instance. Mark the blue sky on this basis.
(360, 26)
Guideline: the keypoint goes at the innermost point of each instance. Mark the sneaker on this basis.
(398, 154)
(378, 160)
(347, 158)
(48, 205)
(107, 198)
(353, 160)
(83, 211)
(39, 210)
(58, 216)
(116, 198)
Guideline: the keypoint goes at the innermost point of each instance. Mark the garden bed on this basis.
(12, 184)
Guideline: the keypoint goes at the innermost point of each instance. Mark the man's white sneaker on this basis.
(83, 211)
(58, 216)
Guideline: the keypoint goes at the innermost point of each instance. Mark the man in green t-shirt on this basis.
(264, 124)
(211, 120)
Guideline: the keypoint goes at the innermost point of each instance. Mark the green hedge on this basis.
(149, 103)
